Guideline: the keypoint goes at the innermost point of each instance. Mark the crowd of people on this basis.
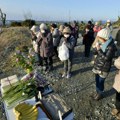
(47, 41)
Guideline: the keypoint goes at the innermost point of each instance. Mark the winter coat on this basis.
(116, 84)
(70, 43)
(45, 44)
(56, 37)
(88, 38)
(103, 60)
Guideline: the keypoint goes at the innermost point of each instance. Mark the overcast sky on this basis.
(61, 9)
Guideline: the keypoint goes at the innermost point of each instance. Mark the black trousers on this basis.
(48, 62)
(117, 103)
(55, 50)
(87, 50)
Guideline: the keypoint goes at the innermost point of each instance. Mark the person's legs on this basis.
(50, 63)
(101, 84)
(87, 50)
(97, 82)
(99, 87)
(45, 63)
(69, 67)
(65, 68)
(39, 59)
(55, 50)
(117, 103)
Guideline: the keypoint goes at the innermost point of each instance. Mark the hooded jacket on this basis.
(103, 60)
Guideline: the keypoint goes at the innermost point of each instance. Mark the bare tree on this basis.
(28, 15)
(3, 17)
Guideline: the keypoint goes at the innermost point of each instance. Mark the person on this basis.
(109, 26)
(69, 41)
(88, 39)
(56, 38)
(96, 28)
(45, 44)
(75, 31)
(105, 51)
(61, 28)
(34, 33)
(116, 110)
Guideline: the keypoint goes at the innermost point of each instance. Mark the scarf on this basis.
(104, 46)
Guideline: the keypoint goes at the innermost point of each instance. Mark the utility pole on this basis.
(69, 16)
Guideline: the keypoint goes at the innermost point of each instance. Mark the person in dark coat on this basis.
(88, 39)
(45, 43)
(56, 38)
(75, 31)
(69, 41)
(105, 51)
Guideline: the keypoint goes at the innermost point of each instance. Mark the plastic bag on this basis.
(63, 52)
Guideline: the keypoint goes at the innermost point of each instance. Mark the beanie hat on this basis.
(67, 30)
(108, 21)
(104, 33)
(43, 26)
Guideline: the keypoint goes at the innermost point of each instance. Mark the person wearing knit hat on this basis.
(56, 38)
(105, 52)
(46, 50)
(43, 27)
(69, 41)
(88, 39)
(34, 33)
(96, 28)
(109, 25)
(35, 29)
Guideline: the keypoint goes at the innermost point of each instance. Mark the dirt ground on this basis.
(76, 90)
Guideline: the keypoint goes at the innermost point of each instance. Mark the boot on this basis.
(98, 97)
(93, 95)
(115, 111)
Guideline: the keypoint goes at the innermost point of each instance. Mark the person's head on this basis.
(43, 27)
(66, 32)
(89, 22)
(61, 27)
(96, 23)
(87, 28)
(103, 35)
(108, 23)
(53, 26)
(34, 29)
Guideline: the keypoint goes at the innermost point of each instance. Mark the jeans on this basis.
(99, 84)
(117, 102)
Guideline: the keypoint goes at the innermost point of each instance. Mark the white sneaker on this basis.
(68, 76)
